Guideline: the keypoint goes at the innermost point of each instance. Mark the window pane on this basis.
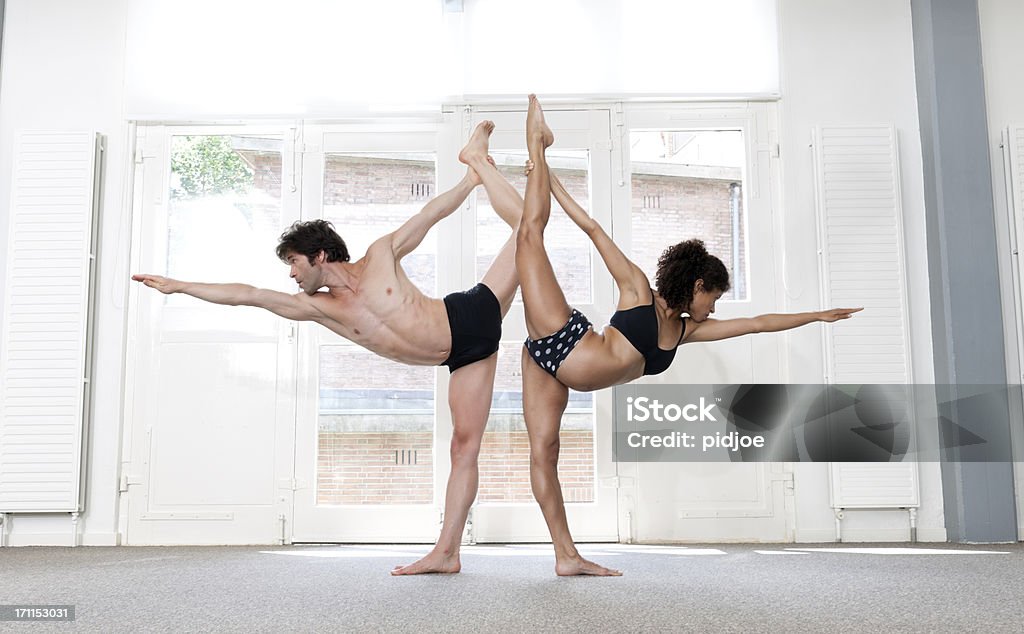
(505, 453)
(376, 429)
(567, 246)
(376, 417)
(689, 184)
(369, 195)
(224, 220)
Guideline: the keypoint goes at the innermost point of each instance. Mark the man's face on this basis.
(306, 275)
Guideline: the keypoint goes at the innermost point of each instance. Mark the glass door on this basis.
(211, 387)
(505, 509)
(372, 436)
(365, 428)
(706, 171)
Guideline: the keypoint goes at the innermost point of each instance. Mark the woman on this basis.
(564, 351)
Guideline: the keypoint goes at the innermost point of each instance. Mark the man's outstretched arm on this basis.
(409, 236)
(296, 307)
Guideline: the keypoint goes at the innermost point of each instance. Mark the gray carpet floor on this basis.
(711, 588)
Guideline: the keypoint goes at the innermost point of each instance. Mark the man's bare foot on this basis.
(474, 176)
(476, 148)
(536, 128)
(433, 563)
(580, 566)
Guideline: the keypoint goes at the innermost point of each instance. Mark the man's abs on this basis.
(413, 331)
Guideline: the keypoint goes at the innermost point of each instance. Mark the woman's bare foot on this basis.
(476, 148)
(434, 563)
(536, 128)
(580, 566)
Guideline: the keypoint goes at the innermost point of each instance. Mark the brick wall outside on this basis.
(354, 468)
(505, 466)
(567, 246)
(367, 197)
(686, 208)
(266, 170)
(360, 468)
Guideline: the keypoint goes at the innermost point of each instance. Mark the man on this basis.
(372, 302)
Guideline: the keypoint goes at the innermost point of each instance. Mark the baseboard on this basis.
(822, 536)
(40, 539)
(101, 539)
(932, 535)
(860, 535)
(62, 539)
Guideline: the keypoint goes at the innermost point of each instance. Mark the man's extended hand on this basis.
(163, 284)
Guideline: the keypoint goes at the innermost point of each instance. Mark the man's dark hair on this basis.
(681, 265)
(310, 238)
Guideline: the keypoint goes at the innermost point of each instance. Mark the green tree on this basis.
(205, 165)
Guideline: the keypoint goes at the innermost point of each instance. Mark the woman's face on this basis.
(703, 304)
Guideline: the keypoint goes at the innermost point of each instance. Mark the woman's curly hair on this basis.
(310, 238)
(681, 265)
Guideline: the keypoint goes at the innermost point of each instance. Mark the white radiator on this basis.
(45, 345)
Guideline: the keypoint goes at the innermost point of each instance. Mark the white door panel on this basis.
(211, 388)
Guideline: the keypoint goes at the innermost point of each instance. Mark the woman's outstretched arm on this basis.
(718, 329)
(634, 287)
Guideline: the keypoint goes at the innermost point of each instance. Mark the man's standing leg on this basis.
(471, 387)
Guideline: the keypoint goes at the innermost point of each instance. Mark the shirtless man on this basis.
(372, 303)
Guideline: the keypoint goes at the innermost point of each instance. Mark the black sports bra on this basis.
(640, 326)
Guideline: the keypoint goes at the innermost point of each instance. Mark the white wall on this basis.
(63, 68)
(841, 62)
(847, 63)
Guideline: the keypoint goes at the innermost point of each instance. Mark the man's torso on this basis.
(387, 314)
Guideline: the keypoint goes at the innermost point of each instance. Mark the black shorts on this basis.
(475, 320)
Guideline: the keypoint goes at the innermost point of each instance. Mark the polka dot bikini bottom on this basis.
(550, 352)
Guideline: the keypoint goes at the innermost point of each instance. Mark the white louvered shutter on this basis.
(860, 225)
(44, 350)
(860, 232)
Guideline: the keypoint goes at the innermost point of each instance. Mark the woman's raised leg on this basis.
(543, 300)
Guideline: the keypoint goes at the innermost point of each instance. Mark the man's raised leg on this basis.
(505, 200)
(501, 277)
